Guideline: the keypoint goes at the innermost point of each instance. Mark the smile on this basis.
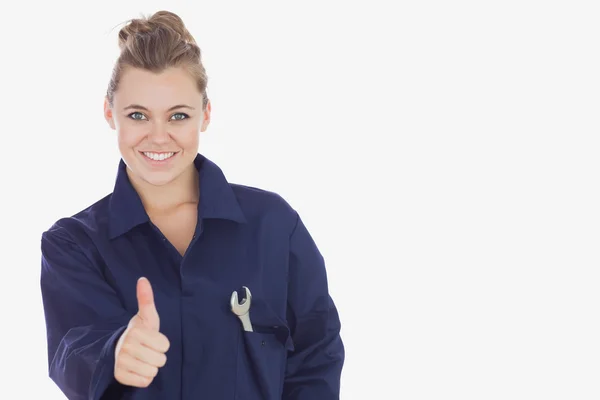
(158, 156)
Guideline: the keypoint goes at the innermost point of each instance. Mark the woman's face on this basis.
(158, 119)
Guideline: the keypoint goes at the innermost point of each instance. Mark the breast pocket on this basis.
(261, 358)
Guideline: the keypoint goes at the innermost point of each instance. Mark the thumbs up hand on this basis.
(147, 315)
(141, 349)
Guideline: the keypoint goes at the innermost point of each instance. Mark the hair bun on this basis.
(155, 43)
(161, 20)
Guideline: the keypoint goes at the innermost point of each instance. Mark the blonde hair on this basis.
(154, 44)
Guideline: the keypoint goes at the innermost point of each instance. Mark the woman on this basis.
(140, 289)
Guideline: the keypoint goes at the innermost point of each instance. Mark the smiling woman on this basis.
(139, 288)
(157, 139)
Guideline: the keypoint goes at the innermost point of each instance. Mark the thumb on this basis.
(146, 308)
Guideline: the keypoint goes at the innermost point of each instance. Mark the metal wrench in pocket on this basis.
(242, 310)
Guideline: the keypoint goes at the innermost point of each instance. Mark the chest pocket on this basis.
(262, 355)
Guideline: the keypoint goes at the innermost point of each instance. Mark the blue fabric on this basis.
(244, 237)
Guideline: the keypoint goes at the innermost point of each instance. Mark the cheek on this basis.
(128, 136)
(187, 137)
(191, 139)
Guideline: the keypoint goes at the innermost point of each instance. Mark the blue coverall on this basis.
(244, 237)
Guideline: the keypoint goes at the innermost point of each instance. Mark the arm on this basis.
(84, 319)
(314, 369)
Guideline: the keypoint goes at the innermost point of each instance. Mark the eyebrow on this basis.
(170, 109)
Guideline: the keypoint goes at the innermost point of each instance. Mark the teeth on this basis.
(158, 157)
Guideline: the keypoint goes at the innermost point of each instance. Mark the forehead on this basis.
(174, 85)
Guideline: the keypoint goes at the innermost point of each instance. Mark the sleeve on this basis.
(84, 319)
(314, 369)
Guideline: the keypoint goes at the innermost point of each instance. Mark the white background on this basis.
(444, 155)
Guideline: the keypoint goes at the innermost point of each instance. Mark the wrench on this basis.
(242, 310)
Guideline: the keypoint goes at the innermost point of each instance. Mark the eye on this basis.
(182, 115)
(135, 113)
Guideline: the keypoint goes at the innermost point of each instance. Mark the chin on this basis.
(157, 179)
(154, 178)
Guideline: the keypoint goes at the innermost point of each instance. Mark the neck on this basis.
(158, 199)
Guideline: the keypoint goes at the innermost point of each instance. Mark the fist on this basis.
(141, 349)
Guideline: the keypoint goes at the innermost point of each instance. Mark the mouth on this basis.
(161, 158)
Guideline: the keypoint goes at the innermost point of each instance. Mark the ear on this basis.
(206, 117)
(108, 114)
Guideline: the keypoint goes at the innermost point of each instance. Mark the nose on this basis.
(159, 135)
